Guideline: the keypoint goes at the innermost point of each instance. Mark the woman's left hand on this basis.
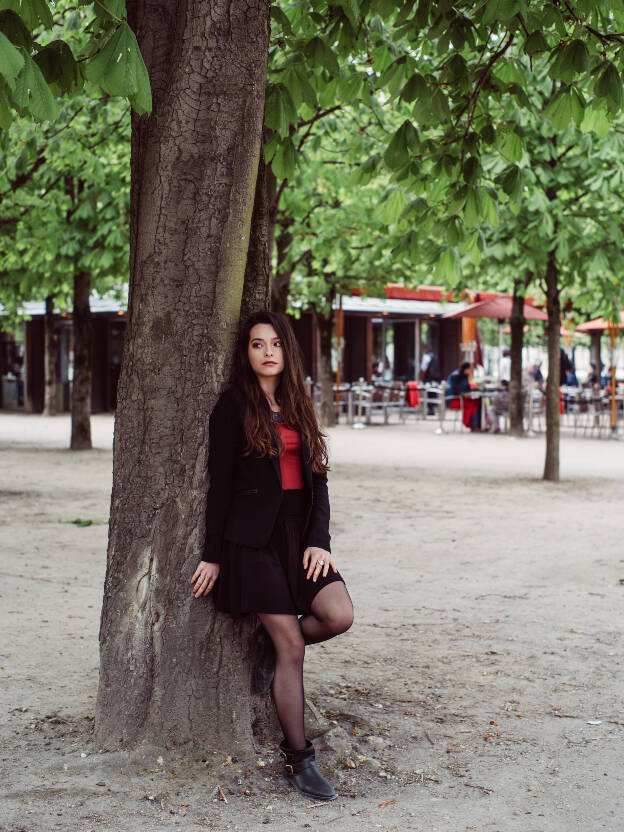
(317, 561)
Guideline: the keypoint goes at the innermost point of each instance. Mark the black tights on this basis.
(331, 614)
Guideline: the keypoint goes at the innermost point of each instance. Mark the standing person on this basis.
(565, 365)
(267, 547)
(505, 366)
(428, 371)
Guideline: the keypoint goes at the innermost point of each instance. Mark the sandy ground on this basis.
(479, 688)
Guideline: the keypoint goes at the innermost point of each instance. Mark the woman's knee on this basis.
(340, 619)
(291, 648)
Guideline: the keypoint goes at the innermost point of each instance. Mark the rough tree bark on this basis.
(49, 361)
(81, 384)
(172, 670)
(551, 464)
(517, 322)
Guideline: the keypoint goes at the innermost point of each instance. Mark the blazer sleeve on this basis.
(318, 528)
(222, 457)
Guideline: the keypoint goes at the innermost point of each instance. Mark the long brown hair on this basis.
(291, 394)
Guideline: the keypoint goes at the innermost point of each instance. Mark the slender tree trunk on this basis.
(257, 285)
(281, 282)
(172, 670)
(551, 464)
(517, 322)
(325, 325)
(81, 385)
(49, 360)
(594, 351)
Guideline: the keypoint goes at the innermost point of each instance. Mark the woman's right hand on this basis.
(204, 577)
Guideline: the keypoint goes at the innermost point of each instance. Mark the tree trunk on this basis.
(172, 670)
(49, 361)
(517, 322)
(551, 465)
(325, 325)
(594, 351)
(81, 384)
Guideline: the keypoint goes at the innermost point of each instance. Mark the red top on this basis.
(290, 463)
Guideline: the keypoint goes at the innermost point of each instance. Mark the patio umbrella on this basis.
(499, 308)
(600, 325)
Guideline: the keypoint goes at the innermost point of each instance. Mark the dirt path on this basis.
(479, 689)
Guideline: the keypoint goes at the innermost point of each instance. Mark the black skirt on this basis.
(271, 578)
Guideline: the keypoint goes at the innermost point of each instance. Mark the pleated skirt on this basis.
(271, 578)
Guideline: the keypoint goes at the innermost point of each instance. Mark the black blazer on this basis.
(246, 491)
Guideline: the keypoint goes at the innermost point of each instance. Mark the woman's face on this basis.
(265, 351)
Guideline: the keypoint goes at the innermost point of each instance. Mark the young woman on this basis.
(267, 527)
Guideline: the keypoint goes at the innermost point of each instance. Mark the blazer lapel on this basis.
(275, 462)
(307, 464)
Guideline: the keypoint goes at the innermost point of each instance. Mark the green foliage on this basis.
(45, 55)
(64, 203)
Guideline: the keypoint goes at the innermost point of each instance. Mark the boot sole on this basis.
(311, 796)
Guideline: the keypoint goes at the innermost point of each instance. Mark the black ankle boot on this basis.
(300, 770)
(264, 668)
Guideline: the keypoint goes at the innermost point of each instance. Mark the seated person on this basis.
(571, 379)
(458, 381)
(457, 385)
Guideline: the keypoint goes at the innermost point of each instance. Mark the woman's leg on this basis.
(288, 682)
(331, 614)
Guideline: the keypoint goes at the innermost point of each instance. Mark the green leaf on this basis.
(322, 55)
(579, 56)
(471, 170)
(281, 19)
(363, 173)
(415, 88)
(392, 206)
(110, 9)
(404, 142)
(34, 13)
(300, 89)
(56, 62)
(596, 120)
(119, 65)
(440, 106)
(577, 102)
(12, 25)
(511, 181)
(5, 114)
(352, 10)
(510, 147)
(32, 93)
(609, 85)
(280, 111)
(536, 42)
(11, 60)
(447, 265)
(285, 160)
(559, 111)
(472, 207)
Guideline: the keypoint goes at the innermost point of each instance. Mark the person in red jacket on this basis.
(267, 547)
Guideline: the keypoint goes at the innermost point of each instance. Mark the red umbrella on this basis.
(499, 307)
(601, 324)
